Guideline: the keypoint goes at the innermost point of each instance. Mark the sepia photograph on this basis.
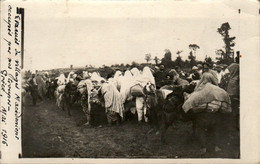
(130, 79)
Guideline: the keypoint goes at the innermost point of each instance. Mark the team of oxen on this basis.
(135, 91)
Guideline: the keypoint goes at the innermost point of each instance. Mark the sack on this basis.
(213, 106)
(137, 90)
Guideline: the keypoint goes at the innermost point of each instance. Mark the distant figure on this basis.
(180, 72)
(195, 75)
(160, 77)
(219, 73)
(209, 76)
(61, 79)
(33, 88)
(177, 80)
(200, 67)
(233, 91)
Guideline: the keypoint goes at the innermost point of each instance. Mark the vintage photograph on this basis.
(132, 79)
(130, 87)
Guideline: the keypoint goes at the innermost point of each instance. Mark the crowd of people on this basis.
(212, 88)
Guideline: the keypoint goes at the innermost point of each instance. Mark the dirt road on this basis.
(50, 132)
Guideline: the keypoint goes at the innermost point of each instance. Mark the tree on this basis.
(167, 59)
(192, 56)
(148, 57)
(192, 59)
(71, 66)
(134, 64)
(228, 55)
(193, 48)
(178, 61)
(179, 52)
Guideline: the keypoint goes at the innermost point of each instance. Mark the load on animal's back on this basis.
(203, 106)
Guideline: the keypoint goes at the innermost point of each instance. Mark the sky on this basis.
(61, 33)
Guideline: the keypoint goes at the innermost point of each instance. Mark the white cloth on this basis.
(61, 79)
(147, 75)
(219, 76)
(85, 74)
(117, 79)
(58, 94)
(165, 92)
(141, 108)
(113, 99)
(206, 94)
(126, 83)
(96, 77)
(135, 72)
(70, 78)
(117, 74)
(226, 71)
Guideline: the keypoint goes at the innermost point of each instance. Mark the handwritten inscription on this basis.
(10, 78)
(4, 137)
(6, 85)
(16, 31)
(9, 46)
(9, 21)
(3, 116)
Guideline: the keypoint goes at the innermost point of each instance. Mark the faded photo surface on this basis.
(130, 80)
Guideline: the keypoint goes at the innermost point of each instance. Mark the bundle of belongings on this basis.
(84, 85)
(210, 98)
(134, 81)
(141, 80)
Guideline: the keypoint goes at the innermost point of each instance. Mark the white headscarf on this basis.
(117, 74)
(128, 75)
(61, 79)
(85, 74)
(126, 83)
(147, 75)
(96, 77)
(135, 72)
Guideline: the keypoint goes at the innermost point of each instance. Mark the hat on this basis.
(199, 66)
(218, 66)
(194, 68)
(161, 66)
(173, 72)
(208, 64)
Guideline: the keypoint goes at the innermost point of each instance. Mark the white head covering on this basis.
(61, 79)
(85, 74)
(62, 76)
(74, 76)
(194, 68)
(117, 74)
(126, 83)
(128, 75)
(135, 72)
(96, 77)
(147, 75)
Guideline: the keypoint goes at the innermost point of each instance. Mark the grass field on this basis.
(50, 132)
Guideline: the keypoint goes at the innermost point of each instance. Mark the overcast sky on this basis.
(58, 34)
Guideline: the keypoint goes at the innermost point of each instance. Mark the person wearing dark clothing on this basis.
(160, 77)
(33, 87)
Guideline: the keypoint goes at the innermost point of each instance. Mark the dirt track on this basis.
(49, 132)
